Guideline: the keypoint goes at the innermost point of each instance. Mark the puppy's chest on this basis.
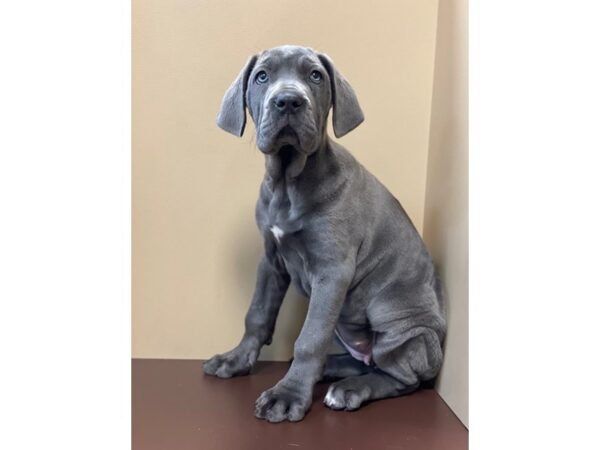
(284, 229)
(280, 218)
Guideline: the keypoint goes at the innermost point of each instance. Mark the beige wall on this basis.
(446, 211)
(195, 244)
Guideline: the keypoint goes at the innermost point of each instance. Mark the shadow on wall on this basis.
(244, 260)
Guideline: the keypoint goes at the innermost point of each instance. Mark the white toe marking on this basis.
(277, 232)
(330, 400)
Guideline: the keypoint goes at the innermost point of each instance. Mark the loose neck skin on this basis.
(318, 180)
(295, 166)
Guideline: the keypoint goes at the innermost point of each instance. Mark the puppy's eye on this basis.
(262, 77)
(315, 76)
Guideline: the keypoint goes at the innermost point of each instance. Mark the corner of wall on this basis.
(445, 218)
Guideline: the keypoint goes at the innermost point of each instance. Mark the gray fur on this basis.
(342, 239)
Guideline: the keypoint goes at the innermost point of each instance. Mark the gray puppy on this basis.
(337, 233)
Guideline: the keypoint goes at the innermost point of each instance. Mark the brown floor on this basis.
(176, 407)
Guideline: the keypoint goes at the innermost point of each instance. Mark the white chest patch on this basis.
(277, 232)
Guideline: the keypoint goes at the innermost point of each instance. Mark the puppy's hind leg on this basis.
(350, 393)
(342, 366)
(402, 363)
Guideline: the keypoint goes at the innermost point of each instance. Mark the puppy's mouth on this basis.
(287, 137)
(286, 155)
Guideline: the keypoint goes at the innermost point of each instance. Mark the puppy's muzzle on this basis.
(289, 102)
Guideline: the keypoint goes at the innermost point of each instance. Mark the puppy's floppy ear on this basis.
(347, 114)
(232, 116)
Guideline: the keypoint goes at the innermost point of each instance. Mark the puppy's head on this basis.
(288, 91)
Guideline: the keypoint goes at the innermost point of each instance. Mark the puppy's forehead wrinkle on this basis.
(282, 56)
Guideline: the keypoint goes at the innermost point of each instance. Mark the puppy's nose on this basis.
(288, 102)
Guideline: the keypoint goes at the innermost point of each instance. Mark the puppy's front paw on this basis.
(282, 403)
(230, 364)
